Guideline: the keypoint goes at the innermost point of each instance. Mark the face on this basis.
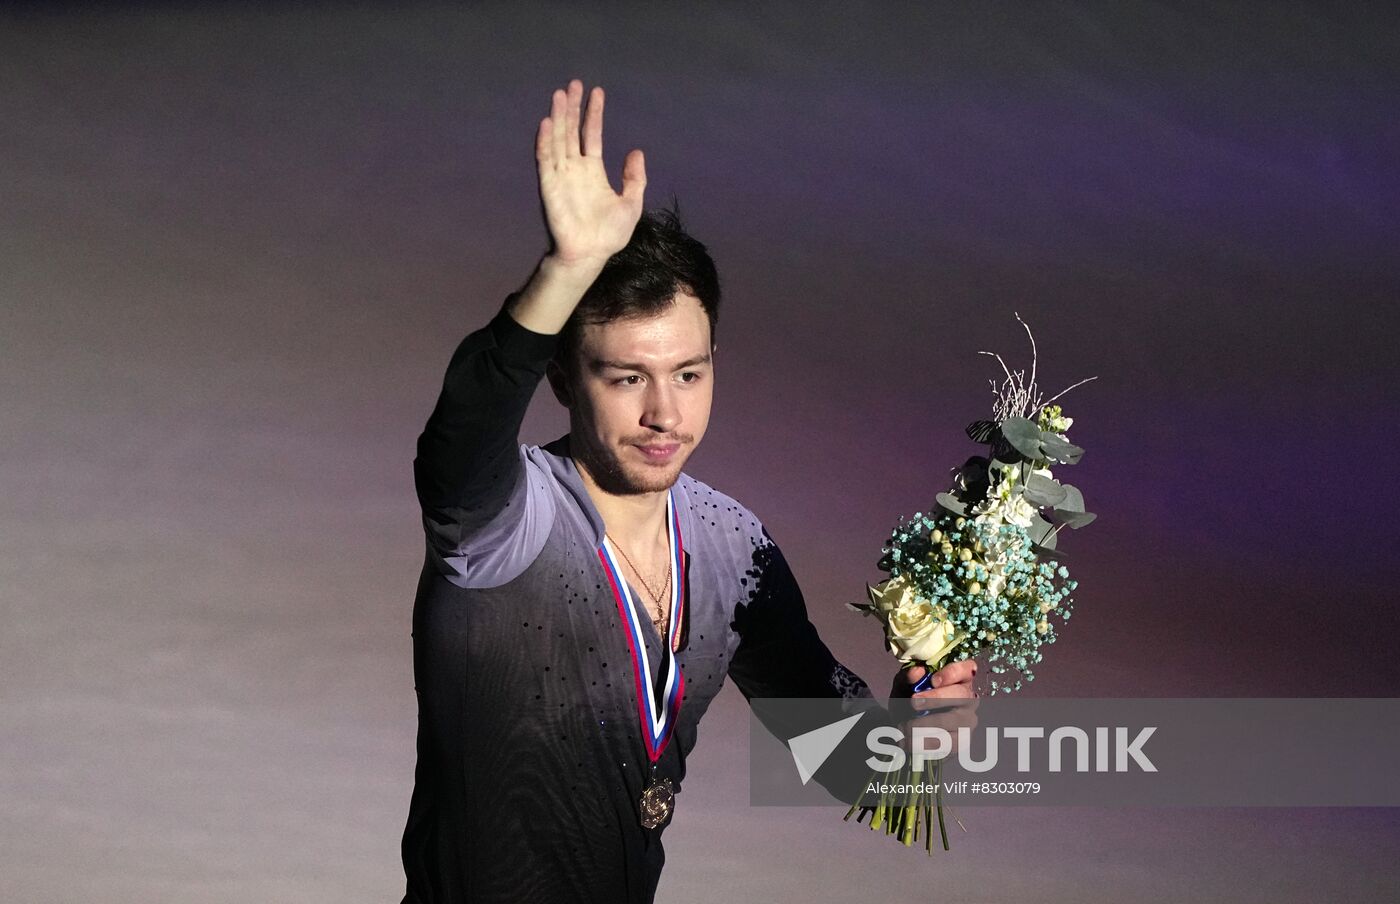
(639, 397)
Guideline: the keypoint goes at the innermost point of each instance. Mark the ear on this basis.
(559, 383)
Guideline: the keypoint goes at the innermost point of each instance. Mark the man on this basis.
(581, 603)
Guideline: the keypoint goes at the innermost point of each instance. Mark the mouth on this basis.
(659, 453)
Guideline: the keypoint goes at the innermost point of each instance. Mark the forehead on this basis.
(679, 332)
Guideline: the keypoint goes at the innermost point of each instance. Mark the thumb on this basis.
(904, 681)
(634, 176)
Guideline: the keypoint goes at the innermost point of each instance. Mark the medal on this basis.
(657, 800)
(657, 708)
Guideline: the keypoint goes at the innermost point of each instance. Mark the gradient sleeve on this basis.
(780, 655)
(779, 652)
(486, 509)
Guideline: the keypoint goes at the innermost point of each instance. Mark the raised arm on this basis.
(468, 467)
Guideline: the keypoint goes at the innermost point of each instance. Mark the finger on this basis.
(544, 147)
(911, 680)
(571, 117)
(945, 713)
(906, 680)
(960, 691)
(634, 176)
(950, 719)
(593, 125)
(556, 116)
(955, 673)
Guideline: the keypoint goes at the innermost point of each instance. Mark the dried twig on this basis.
(1017, 396)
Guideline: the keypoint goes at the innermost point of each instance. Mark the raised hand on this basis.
(587, 220)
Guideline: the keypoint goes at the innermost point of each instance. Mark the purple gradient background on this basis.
(238, 244)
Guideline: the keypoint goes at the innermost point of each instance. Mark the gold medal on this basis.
(657, 800)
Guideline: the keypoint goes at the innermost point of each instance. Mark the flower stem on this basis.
(938, 797)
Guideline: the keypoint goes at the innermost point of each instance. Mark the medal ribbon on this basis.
(658, 717)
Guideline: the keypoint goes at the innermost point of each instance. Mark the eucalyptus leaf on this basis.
(1043, 533)
(1073, 501)
(1039, 529)
(1044, 492)
(1004, 451)
(1061, 450)
(951, 503)
(1071, 510)
(1023, 435)
(1075, 520)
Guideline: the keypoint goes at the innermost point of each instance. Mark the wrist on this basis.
(552, 293)
(580, 272)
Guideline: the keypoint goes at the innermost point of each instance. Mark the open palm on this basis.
(587, 220)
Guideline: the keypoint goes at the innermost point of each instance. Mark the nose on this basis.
(661, 413)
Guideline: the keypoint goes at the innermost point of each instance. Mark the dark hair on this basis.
(658, 261)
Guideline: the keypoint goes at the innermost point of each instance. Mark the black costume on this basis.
(532, 756)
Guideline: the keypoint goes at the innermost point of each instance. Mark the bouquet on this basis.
(978, 576)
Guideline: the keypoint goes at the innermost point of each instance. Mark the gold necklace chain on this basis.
(655, 597)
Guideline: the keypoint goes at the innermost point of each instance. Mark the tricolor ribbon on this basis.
(657, 708)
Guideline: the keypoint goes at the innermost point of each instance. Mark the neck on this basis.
(634, 520)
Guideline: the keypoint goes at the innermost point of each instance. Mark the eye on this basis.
(690, 376)
(629, 380)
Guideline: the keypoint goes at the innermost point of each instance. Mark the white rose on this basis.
(890, 595)
(918, 631)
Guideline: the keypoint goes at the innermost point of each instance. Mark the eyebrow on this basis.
(623, 365)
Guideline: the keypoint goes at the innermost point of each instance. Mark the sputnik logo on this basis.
(811, 749)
